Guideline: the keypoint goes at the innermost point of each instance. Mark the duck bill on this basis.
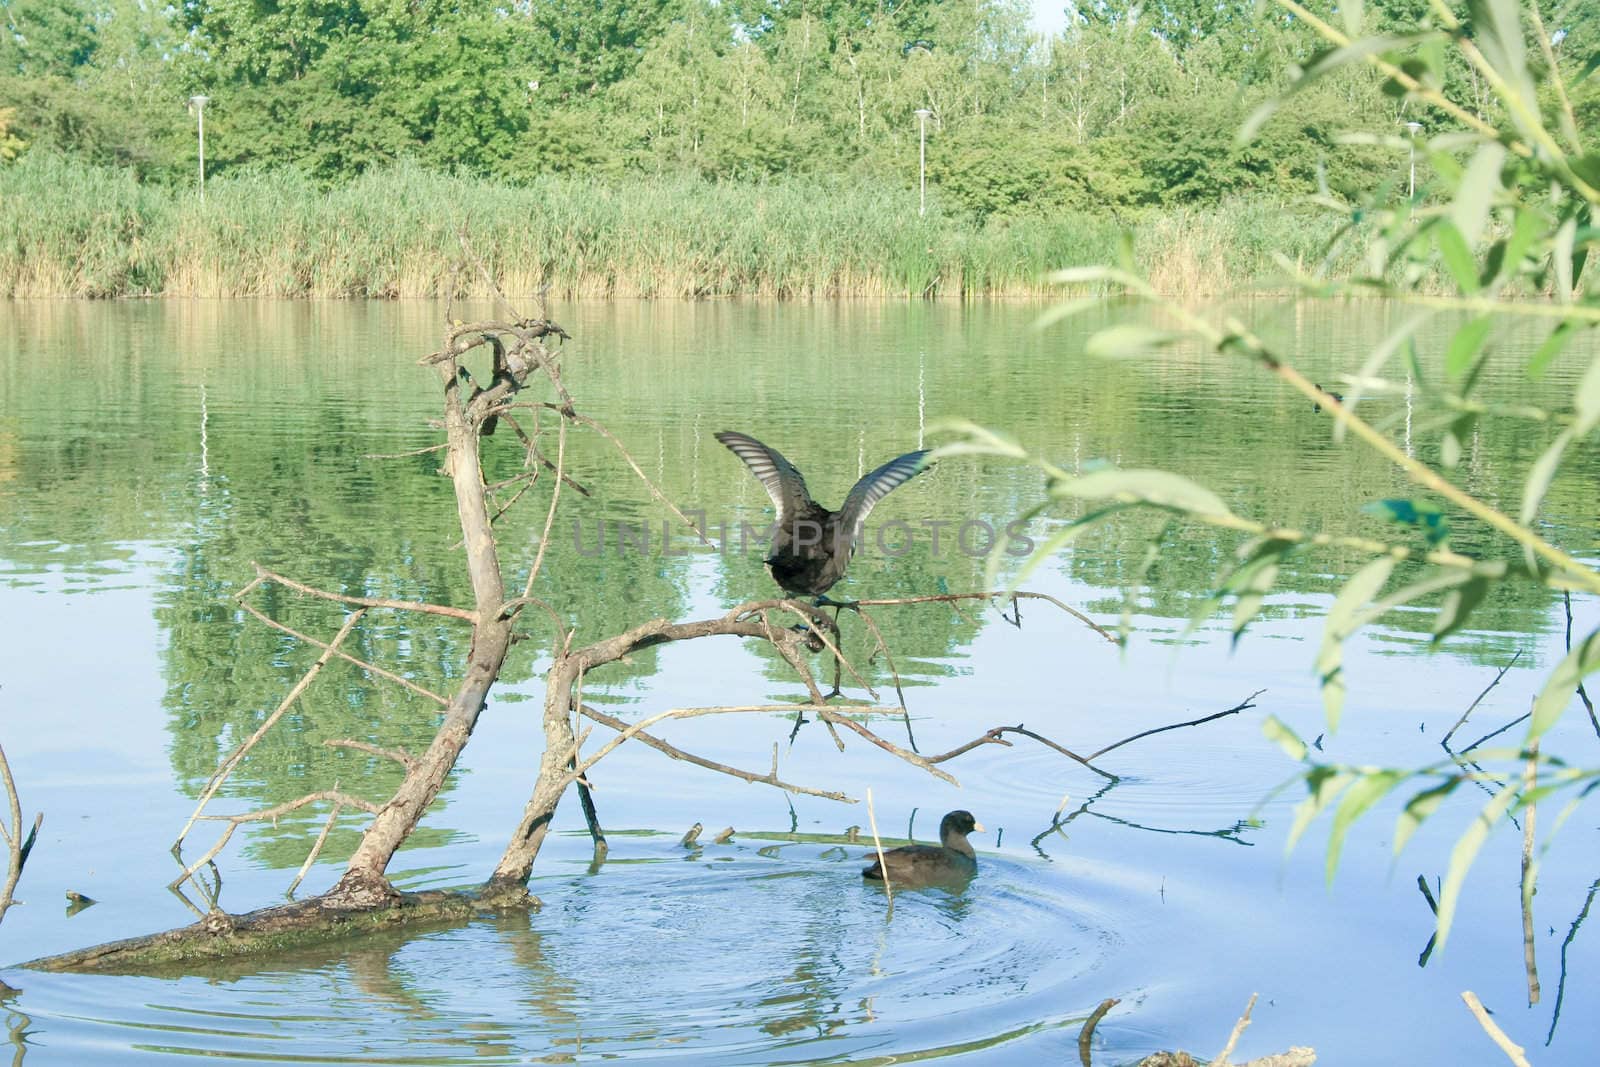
(977, 827)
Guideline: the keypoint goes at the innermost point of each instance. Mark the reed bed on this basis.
(71, 229)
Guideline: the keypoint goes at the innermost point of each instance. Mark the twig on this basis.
(1517, 655)
(770, 778)
(360, 601)
(591, 817)
(399, 755)
(830, 714)
(19, 847)
(555, 498)
(1514, 1052)
(952, 598)
(440, 447)
(993, 736)
(316, 849)
(1530, 779)
(1233, 1038)
(1520, 718)
(342, 654)
(1588, 705)
(888, 658)
(272, 813)
(626, 455)
(1244, 705)
(1086, 1035)
(233, 759)
(877, 843)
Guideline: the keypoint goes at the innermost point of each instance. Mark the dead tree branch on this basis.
(953, 598)
(770, 778)
(372, 668)
(233, 759)
(358, 601)
(18, 847)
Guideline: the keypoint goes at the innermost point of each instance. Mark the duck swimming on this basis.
(952, 858)
(811, 545)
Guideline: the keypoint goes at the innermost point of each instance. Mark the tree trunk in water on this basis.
(363, 883)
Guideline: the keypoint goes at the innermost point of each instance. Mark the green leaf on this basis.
(1397, 339)
(1458, 604)
(1561, 257)
(1276, 730)
(1475, 195)
(1325, 784)
(1587, 400)
(1357, 799)
(1354, 12)
(1466, 850)
(1556, 695)
(1159, 488)
(1056, 542)
(1541, 359)
(1129, 339)
(1540, 476)
(1418, 808)
(1325, 63)
(1464, 345)
(1457, 255)
(1589, 67)
(1422, 514)
(1362, 587)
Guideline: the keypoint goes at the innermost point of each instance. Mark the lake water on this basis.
(150, 451)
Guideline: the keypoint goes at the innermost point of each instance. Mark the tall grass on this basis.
(69, 229)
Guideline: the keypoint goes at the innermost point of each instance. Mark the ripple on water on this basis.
(725, 956)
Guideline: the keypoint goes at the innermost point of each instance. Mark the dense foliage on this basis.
(1124, 109)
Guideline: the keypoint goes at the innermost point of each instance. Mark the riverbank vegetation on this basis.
(676, 148)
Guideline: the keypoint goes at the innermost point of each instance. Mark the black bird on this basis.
(1316, 405)
(811, 546)
(951, 859)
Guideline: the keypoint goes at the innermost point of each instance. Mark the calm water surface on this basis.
(150, 452)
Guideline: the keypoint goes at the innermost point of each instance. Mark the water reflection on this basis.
(208, 435)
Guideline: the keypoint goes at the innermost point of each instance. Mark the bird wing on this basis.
(776, 474)
(877, 485)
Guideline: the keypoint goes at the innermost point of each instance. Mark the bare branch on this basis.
(361, 601)
(316, 849)
(550, 516)
(264, 815)
(1233, 1038)
(1243, 705)
(399, 755)
(1020, 594)
(1514, 1052)
(1479, 699)
(830, 714)
(233, 759)
(770, 778)
(19, 847)
(1086, 1035)
(363, 664)
(440, 447)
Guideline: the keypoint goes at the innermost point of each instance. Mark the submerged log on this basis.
(221, 935)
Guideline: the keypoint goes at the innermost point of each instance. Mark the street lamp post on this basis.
(198, 105)
(1413, 127)
(922, 160)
